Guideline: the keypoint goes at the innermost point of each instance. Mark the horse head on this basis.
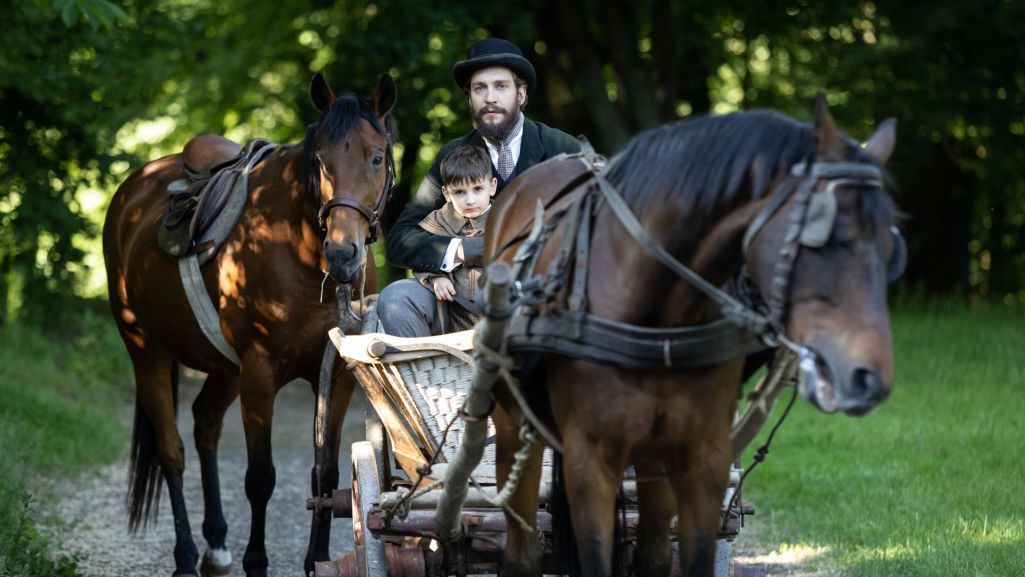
(821, 253)
(348, 172)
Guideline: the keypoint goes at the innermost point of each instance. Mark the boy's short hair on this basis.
(465, 163)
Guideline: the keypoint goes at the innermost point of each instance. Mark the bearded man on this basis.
(496, 79)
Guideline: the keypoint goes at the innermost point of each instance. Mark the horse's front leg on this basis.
(218, 392)
(258, 390)
(700, 483)
(523, 553)
(591, 486)
(324, 475)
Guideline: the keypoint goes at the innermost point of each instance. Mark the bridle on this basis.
(810, 224)
(373, 215)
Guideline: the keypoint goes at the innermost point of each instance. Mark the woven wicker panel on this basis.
(439, 386)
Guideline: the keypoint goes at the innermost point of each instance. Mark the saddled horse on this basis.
(632, 353)
(311, 207)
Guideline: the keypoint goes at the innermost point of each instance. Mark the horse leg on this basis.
(656, 505)
(325, 480)
(700, 484)
(258, 392)
(156, 391)
(523, 548)
(591, 486)
(218, 392)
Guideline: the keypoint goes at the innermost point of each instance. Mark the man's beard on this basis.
(495, 133)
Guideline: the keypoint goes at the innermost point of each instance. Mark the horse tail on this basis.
(564, 541)
(144, 479)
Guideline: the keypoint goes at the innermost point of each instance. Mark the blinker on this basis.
(819, 220)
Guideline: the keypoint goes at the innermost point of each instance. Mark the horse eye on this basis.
(378, 159)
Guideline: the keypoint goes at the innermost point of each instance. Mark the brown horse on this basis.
(796, 213)
(266, 284)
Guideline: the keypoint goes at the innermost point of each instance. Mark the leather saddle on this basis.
(213, 165)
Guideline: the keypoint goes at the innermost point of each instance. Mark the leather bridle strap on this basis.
(733, 309)
(373, 215)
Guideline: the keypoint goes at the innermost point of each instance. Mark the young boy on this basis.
(467, 185)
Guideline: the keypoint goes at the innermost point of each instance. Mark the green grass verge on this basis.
(60, 388)
(930, 483)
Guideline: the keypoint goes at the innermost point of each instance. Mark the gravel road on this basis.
(94, 523)
(88, 519)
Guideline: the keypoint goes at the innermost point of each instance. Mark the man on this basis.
(496, 79)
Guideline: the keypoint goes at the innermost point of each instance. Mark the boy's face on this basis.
(470, 197)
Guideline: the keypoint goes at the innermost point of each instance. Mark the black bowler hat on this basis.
(494, 52)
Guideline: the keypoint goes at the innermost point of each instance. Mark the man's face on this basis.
(470, 197)
(495, 100)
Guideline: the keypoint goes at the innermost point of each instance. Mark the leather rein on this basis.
(745, 327)
(372, 215)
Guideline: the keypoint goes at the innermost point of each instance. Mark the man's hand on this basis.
(443, 288)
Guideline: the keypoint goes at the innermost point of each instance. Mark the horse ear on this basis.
(321, 93)
(829, 141)
(385, 96)
(884, 138)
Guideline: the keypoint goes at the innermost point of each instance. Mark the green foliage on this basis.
(98, 13)
(89, 88)
(57, 390)
(22, 550)
(929, 483)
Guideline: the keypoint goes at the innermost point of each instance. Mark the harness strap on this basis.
(202, 308)
(731, 308)
(631, 346)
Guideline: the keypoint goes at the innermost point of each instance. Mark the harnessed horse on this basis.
(309, 207)
(644, 283)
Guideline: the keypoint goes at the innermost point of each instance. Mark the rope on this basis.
(760, 455)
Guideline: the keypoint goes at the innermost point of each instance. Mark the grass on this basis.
(930, 483)
(61, 389)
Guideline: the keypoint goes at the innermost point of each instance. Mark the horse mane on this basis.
(342, 119)
(699, 166)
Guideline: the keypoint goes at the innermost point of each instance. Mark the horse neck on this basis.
(648, 293)
(277, 193)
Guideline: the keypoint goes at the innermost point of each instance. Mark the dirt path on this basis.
(89, 518)
(95, 523)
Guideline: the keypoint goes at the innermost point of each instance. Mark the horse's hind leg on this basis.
(325, 480)
(208, 414)
(656, 506)
(156, 391)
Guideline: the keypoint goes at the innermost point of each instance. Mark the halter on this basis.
(373, 215)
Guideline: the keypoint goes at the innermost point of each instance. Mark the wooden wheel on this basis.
(366, 491)
(378, 437)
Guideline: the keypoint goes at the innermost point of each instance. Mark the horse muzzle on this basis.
(832, 381)
(344, 261)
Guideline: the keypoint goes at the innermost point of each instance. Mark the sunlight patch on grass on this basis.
(789, 554)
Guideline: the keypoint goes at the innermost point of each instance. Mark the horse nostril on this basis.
(866, 384)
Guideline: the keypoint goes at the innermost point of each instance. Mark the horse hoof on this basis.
(216, 563)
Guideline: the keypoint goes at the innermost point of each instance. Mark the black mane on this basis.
(699, 166)
(342, 119)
